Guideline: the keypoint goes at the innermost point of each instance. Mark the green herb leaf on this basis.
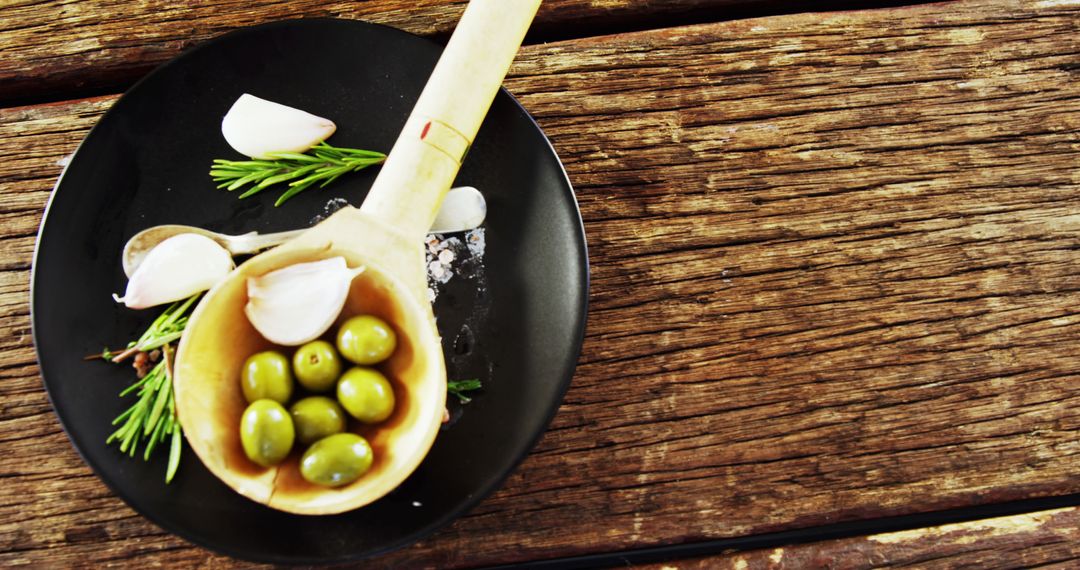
(459, 387)
(323, 164)
(174, 454)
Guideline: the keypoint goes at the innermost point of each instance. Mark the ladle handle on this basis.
(428, 153)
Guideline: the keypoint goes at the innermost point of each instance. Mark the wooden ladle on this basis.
(385, 235)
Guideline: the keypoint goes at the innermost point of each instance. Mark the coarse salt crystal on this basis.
(476, 242)
(436, 269)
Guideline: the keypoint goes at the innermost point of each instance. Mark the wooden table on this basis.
(835, 302)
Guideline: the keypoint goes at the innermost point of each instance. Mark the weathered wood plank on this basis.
(66, 45)
(1046, 539)
(835, 277)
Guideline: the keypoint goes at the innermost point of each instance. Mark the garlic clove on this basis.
(176, 269)
(298, 303)
(463, 208)
(255, 127)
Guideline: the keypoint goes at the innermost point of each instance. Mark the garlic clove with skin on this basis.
(255, 127)
(463, 208)
(298, 303)
(176, 269)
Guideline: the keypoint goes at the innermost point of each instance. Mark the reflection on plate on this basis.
(518, 324)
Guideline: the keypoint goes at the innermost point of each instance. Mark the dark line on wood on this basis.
(847, 529)
(114, 80)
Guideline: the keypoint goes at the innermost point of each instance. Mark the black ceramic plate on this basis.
(517, 324)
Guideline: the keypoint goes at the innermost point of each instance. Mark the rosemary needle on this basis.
(322, 165)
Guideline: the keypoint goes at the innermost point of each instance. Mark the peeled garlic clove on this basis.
(298, 303)
(462, 209)
(175, 269)
(255, 127)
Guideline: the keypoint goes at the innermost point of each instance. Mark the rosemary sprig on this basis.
(459, 387)
(322, 165)
(152, 418)
(168, 327)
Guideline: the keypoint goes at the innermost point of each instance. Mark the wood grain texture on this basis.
(73, 45)
(1046, 539)
(835, 276)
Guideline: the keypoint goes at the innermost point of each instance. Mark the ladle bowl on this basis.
(385, 235)
(220, 338)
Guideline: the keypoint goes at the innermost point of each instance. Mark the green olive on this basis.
(366, 340)
(336, 460)
(317, 417)
(266, 375)
(266, 432)
(317, 365)
(366, 394)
